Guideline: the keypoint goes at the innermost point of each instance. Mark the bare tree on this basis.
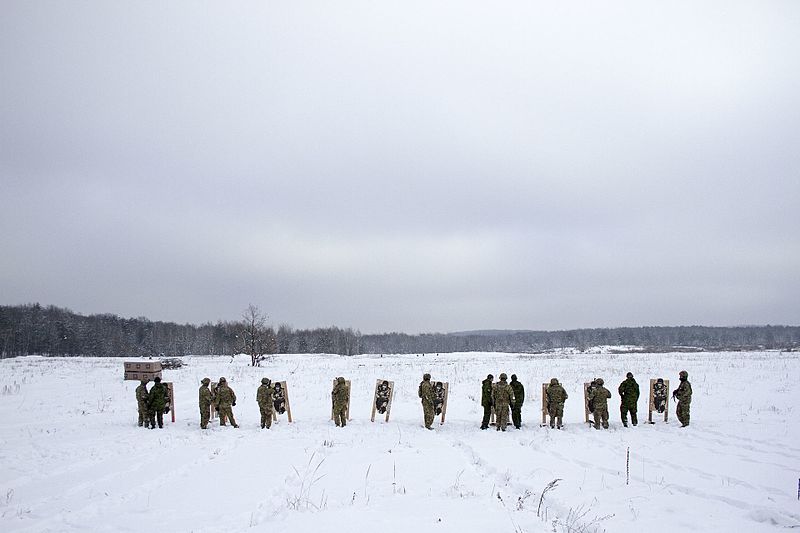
(253, 335)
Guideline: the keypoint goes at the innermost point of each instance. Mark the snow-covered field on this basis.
(73, 459)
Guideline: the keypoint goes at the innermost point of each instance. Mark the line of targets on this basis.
(659, 402)
(384, 395)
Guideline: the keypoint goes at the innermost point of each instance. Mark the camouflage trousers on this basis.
(501, 416)
(516, 416)
(144, 417)
(205, 415)
(683, 412)
(624, 410)
(225, 412)
(601, 417)
(266, 415)
(428, 413)
(556, 412)
(340, 415)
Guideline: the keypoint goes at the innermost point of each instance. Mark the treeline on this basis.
(650, 339)
(34, 329)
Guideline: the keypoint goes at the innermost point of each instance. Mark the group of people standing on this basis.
(502, 397)
(153, 404)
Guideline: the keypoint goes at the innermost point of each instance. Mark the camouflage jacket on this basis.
(556, 394)
(141, 394)
(340, 394)
(599, 397)
(157, 399)
(629, 390)
(519, 393)
(264, 395)
(684, 392)
(204, 396)
(225, 396)
(502, 394)
(426, 392)
(486, 392)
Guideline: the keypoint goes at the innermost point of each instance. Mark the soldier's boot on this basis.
(634, 419)
(559, 423)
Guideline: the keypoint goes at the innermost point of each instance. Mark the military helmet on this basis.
(513, 377)
(340, 380)
(265, 381)
(629, 375)
(599, 381)
(222, 380)
(554, 381)
(205, 381)
(490, 376)
(157, 379)
(503, 376)
(683, 374)
(426, 377)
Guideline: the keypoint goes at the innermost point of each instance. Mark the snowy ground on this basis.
(72, 458)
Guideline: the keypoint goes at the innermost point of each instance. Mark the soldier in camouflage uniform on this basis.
(204, 402)
(519, 399)
(340, 396)
(264, 401)
(629, 391)
(141, 401)
(599, 400)
(156, 403)
(486, 400)
(226, 399)
(684, 396)
(555, 397)
(426, 393)
(503, 397)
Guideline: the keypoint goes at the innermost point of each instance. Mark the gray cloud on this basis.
(409, 167)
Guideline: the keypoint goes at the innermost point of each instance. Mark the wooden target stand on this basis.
(285, 392)
(378, 383)
(588, 416)
(545, 412)
(444, 397)
(171, 396)
(652, 403)
(347, 410)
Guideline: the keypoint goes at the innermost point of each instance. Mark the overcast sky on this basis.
(403, 166)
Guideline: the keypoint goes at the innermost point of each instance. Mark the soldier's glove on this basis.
(166, 410)
(233, 404)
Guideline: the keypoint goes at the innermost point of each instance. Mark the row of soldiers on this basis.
(502, 396)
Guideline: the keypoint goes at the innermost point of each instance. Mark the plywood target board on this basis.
(280, 401)
(382, 398)
(170, 399)
(659, 399)
(349, 390)
(587, 388)
(441, 392)
(545, 411)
